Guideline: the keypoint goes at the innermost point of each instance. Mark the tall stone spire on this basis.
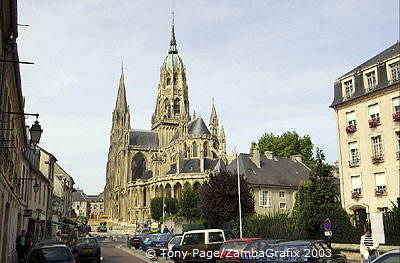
(172, 43)
(121, 103)
(213, 120)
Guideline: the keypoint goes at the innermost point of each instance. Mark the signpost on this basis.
(328, 230)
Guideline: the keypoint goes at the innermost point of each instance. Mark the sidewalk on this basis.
(352, 251)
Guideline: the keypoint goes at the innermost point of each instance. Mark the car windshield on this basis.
(87, 241)
(237, 245)
(176, 240)
(153, 238)
(52, 254)
(163, 238)
(193, 239)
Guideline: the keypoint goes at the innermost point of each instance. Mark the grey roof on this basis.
(382, 79)
(94, 198)
(197, 126)
(190, 166)
(193, 165)
(143, 138)
(78, 197)
(147, 175)
(277, 171)
(387, 53)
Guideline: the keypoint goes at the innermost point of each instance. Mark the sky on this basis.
(269, 65)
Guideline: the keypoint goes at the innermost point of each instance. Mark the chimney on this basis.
(296, 158)
(269, 154)
(255, 156)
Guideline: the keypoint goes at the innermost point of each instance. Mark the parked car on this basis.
(86, 248)
(147, 243)
(174, 242)
(235, 250)
(159, 242)
(102, 228)
(48, 242)
(308, 251)
(202, 240)
(50, 253)
(137, 240)
(392, 256)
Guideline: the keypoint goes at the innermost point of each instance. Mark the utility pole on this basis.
(240, 204)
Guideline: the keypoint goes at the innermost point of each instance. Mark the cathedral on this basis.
(179, 150)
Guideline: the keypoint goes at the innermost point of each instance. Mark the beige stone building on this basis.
(96, 206)
(178, 150)
(367, 107)
(63, 188)
(273, 180)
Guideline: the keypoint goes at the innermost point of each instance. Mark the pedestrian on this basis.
(165, 230)
(171, 230)
(22, 245)
(368, 247)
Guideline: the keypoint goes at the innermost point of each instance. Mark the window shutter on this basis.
(356, 182)
(380, 179)
(373, 109)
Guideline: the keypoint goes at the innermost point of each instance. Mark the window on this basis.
(193, 239)
(282, 205)
(215, 237)
(356, 184)
(351, 118)
(395, 71)
(175, 79)
(348, 86)
(205, 149)
(380, 182)
(396, 104)
(377, 148)
(177, 105)
(194, 149)
(371, 80)
(282, 194)
(382, 209)
(168, 80)
(354, 157)
(265, 199)
(374, 112)
(398, 140)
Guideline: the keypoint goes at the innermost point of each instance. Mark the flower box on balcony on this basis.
(396, 116)
(377, 159)
(355, 194)
(379, 191)
(351, 128)
(373, 122)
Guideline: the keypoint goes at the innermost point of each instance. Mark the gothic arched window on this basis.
(167, 109)
(138, 166)
(177, 109)
(194, 149)
(185, 150)
(205, 149)
(175, 78)
(168, 80)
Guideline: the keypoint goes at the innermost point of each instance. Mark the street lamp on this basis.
(35, 132)
(36, 187)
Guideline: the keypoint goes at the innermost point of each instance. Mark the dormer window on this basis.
(371, 80)
(395, 71)
(349, 90)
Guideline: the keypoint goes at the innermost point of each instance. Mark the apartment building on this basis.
(367, 107)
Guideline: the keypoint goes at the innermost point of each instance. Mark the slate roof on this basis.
(276, 171)
(193, 165)
(143, 138)
(94, 198)
(386, 54)
(78, 197)
(195, 126)
(147, 175)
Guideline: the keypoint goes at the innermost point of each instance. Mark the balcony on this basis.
(379, 191)
(356, 193)
(354, 162)
(374, 122)
(377, 159)
(351, 128)
(398, 155)
(396, 116)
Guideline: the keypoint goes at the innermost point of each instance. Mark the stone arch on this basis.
(177, 190)
(168, 190)
(186, 185)
(144, 196)
(194, 149)
(205, 149)
(157, 191)
(177, 106)
(138, 166)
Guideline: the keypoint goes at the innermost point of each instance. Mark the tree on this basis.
(220, 199)
(318, 200)
(156, 207)
(287, 144)
(188, 204)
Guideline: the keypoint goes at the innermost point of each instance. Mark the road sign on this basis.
(328, 233)
(327, 225)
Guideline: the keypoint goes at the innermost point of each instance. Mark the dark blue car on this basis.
(157, 242)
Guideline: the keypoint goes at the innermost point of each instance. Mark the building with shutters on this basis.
(180, 149)
(367, 107)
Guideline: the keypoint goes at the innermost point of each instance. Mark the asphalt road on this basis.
(111, 254)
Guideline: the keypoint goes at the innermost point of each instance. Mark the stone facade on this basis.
(367, 107)
(178, 150)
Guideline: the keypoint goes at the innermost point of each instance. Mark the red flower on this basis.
(373, 122)
(396, 116)
(351, 128)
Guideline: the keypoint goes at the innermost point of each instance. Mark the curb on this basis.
(129, 251)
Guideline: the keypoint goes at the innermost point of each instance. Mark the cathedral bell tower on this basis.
(172, 107)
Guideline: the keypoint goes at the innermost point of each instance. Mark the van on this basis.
(201, 245)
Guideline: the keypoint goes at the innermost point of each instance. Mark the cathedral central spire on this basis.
(172, 43)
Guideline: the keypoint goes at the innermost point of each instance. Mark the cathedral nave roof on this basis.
(143, 138)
